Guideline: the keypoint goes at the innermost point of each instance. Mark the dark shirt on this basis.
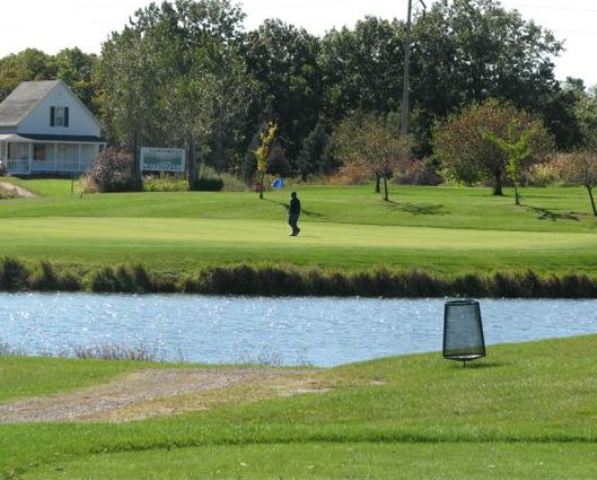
(295, 207)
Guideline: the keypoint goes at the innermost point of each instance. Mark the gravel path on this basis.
(18, 191)
(140, 388)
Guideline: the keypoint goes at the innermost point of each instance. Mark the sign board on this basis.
(163, 160)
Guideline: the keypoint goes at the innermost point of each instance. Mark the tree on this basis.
(75, 67)
(283, 61)
(372, 143)
(315, 155)
(467, 51)
(263, 151)
(581, 168)
(70, 65)
(360, 68)
(30, 64)
(585, 110)
(464, 147)
(518, 152)
(174, 77)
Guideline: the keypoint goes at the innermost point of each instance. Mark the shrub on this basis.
(549, 172)
(125, 279)
(470, 285)
(3, 170)
(418, 172)
(103, 281)
(164, 184)
(44, 278)
(351, 174)
(208, 184)
(231, 182)
(13, 275)
(113, 171)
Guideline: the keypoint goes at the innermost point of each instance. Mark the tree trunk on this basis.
(377, 183)
(590, 190)
(261, 186)
(385, 189)
(516, 195)
(191, 165)
(497, 189)
(137, 162)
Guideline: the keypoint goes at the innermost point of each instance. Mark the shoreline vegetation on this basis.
(277, 281)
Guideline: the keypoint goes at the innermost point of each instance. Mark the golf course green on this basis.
(441, 230)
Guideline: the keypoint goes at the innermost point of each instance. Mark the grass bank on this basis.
(527, 411)
(274, 281)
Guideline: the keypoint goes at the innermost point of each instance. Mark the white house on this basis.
(45, 128)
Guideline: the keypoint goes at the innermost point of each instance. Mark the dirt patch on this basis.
(15, 190)
(153, 392)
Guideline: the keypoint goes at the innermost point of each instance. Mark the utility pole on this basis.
(406, 81)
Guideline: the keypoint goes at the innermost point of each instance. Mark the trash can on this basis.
(463, 331)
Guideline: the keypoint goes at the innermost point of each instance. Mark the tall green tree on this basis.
(75, 68)
(72, 66)
(362, 68)
(174, 77)
(30, 64)
(466, 51)
(283, 60)
(315, 157)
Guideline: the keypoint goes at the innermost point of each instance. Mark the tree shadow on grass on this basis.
(417, 208)
(545, 214)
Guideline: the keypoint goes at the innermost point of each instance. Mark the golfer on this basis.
(293, 214)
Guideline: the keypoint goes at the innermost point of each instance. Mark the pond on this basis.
(288, 331)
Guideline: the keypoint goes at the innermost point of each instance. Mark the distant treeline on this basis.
(187, 74)
(289, 281)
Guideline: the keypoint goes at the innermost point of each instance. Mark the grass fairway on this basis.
(338, 461)
(442, 230)
(186, 245)
(527, 411)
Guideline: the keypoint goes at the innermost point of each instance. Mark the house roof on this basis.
(29, 137)
(23, 100)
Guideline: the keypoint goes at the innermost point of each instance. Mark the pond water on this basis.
(290, 331)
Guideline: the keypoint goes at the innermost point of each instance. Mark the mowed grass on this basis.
(23, 377)
(187, 245)
(527, 411)
(444, 230)
(337, 461)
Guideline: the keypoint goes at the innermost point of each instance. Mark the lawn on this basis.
(527, 411)
(444, 230)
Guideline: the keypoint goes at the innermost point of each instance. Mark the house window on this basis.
(58, 116)
(18, 151)
(39, 151)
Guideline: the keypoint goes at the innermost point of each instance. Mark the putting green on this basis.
(171, 233)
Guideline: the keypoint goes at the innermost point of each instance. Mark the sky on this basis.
(53, 25)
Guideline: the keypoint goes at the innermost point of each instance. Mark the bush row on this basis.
(278, 281)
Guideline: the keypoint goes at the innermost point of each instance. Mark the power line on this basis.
(552, 7)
